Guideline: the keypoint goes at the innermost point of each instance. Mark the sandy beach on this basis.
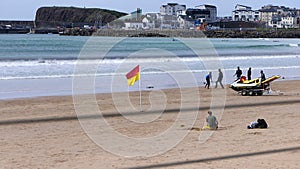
(44, 132)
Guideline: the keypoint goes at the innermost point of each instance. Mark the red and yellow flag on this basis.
(133, 75)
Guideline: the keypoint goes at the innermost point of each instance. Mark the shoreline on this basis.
(279, 81)
(28, 88)
(38, 90)
(44, 132)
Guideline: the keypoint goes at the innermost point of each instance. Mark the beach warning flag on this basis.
(133, 75)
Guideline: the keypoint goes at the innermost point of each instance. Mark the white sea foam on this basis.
(294, 45)
(143, 73)
(37, 63)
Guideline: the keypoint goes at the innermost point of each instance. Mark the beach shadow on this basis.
(206, 160)
(200, 129)
(114, 114)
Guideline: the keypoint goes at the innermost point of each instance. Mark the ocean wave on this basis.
(258, 46)
(73, 62)
(144, 72)
(29, 63)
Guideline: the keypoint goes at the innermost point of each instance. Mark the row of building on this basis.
(273, 16)
(173, 16)
(178, 16)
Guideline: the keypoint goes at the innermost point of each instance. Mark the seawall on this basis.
(270, 33)
(150, 33)
(17, 24)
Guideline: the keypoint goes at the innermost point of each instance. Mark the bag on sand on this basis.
(260, 123)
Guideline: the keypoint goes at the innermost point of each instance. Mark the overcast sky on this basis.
(25, 9)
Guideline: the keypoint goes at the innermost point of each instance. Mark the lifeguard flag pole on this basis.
(133, 76)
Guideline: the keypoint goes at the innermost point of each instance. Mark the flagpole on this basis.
(141, 109)
(133, 76)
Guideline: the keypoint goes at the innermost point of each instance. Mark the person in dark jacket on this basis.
(238, 73)
(249, 73)
(208, 78)
(262, 75)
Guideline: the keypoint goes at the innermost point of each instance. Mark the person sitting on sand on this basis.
(211, 122)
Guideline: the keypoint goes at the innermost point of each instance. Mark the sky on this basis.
(25, 9)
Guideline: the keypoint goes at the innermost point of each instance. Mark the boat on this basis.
(252, 87)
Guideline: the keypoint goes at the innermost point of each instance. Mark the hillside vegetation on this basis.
(53, 16)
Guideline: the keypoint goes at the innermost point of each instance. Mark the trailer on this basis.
(255, 87)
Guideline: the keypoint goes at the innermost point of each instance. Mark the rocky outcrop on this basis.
(72, 16)
(265, 33)
(268, 33)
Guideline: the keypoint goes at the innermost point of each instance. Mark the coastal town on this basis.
(164, 85)
(171, 16)
(177, 16)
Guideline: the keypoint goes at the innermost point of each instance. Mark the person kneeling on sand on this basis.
(211, 122)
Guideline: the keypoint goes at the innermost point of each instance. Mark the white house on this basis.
(245, 13)
(288, 21)
(180, 12)
(171, 8)
(151, 20)
(283, 21)
(275, 22)
(184, 23)
(279, 16)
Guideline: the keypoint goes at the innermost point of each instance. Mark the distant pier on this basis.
(15, 27)
(23, 27)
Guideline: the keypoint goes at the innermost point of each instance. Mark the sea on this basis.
(33, 65)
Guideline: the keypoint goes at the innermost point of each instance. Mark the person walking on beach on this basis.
(211, 121)
(208, 78)
(238, 73)
(249, 73)
(220, 78)
(262, 75)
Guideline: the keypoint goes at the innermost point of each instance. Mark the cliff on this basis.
(73, 16)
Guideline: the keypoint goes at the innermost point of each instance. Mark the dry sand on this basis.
(45, 133)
